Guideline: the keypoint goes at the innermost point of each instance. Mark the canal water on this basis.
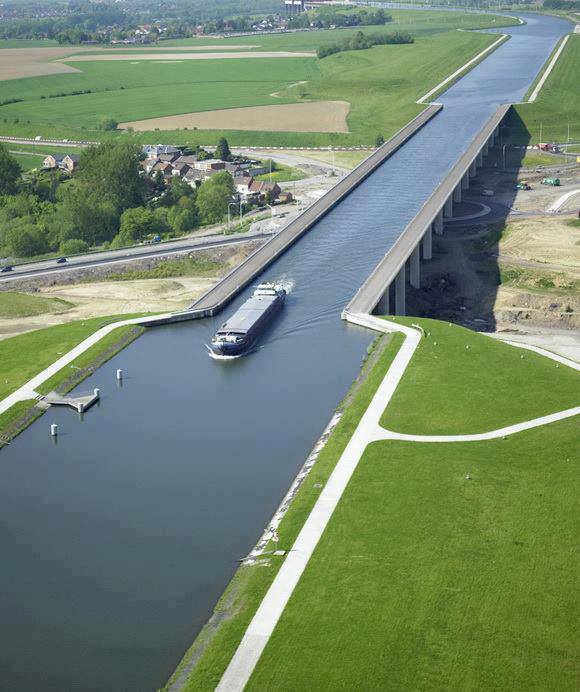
(117, 541)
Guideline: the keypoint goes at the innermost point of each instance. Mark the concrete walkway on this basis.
(561, 201)
(548, 70)
(368, 430)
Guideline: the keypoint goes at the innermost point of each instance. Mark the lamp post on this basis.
(231, 204)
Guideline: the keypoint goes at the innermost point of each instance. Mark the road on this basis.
(177, 247)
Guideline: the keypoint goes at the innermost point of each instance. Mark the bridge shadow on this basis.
(460, 284)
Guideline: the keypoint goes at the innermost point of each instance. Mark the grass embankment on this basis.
(24, 356)
(557, 105)
(170, 269)
(425, 580)
(533, 159)
(484, 387)
(382, 100)
(14, 304)
(219, 639)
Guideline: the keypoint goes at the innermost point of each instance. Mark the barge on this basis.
(241, 331)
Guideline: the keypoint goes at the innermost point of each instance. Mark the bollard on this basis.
(119, 374)
(80, 407)
(54, 429)
(97, 392)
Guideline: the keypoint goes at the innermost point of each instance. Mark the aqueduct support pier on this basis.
(386, 286)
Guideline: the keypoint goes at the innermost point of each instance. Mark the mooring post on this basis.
(54, 429)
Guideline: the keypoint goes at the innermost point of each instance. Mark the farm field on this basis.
(557, 105)
(138, 89)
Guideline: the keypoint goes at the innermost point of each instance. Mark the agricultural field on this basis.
(137, 89)
(557, 105)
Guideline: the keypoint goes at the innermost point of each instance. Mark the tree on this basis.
(108, 124)
(9, 173)
(136, 223)
(73, 246)
(379, 141)
(223, 150)
(23, 238)
(212, 201)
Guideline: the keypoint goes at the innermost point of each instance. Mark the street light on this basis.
(229, 205)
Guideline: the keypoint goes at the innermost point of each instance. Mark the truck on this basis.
(544, 146)
(554, 182)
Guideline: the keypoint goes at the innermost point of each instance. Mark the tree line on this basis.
(108, 203)
(326, 17)
(362, 41)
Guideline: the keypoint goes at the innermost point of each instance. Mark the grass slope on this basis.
(449, 389)
(557, 106)
(240, 601)
(424, 580)
(24, 356)
(13, 304)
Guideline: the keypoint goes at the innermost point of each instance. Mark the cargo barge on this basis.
(241, 331)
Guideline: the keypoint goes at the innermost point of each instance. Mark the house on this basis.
(190, 160)
(210, 165)
(52, 161)
(162, 167)
(70, 162)
(242, 185)
(263, 189)
(180, 169)
(152, 151)
(65, 162)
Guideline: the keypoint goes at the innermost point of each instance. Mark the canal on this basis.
(117, 541)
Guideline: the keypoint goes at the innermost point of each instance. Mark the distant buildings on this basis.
(65, 162)
(194, 170)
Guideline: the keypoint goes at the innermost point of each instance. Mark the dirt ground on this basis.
(542, 239)
(316, 116)
(111, 298)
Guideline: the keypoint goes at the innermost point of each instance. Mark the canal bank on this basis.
(126, 539)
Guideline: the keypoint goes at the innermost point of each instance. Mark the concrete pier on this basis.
(80, 402)
(448, 207)
(383, 306)
(400, 289)
(465, 182)
(428, 243)
(415, 272)
(418, 233)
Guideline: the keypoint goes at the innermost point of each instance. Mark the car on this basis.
(487, 193)
(61, 260)
(6, 268)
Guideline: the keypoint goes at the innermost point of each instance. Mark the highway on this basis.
(109, 257)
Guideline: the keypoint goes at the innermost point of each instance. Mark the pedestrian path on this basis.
(368, 430)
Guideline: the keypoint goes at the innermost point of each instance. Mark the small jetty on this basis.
(80, 402)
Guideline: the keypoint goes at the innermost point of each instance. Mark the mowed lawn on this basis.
(425, 580)
(449, 389)
(381, 85)
(557, 106)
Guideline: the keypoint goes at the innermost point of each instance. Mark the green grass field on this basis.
(24, 356)
(382, 100)
(503, 387)
(557, 106)
(282, 174)
(27, 43)
(13, 304)
(424, 580)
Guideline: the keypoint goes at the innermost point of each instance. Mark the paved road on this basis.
(176, 247)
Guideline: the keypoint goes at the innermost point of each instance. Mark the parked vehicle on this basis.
(549, 147)
(61, 260)
(555, 182)
(6, 268)
(522, 185)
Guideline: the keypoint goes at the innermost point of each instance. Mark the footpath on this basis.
(368, 430)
